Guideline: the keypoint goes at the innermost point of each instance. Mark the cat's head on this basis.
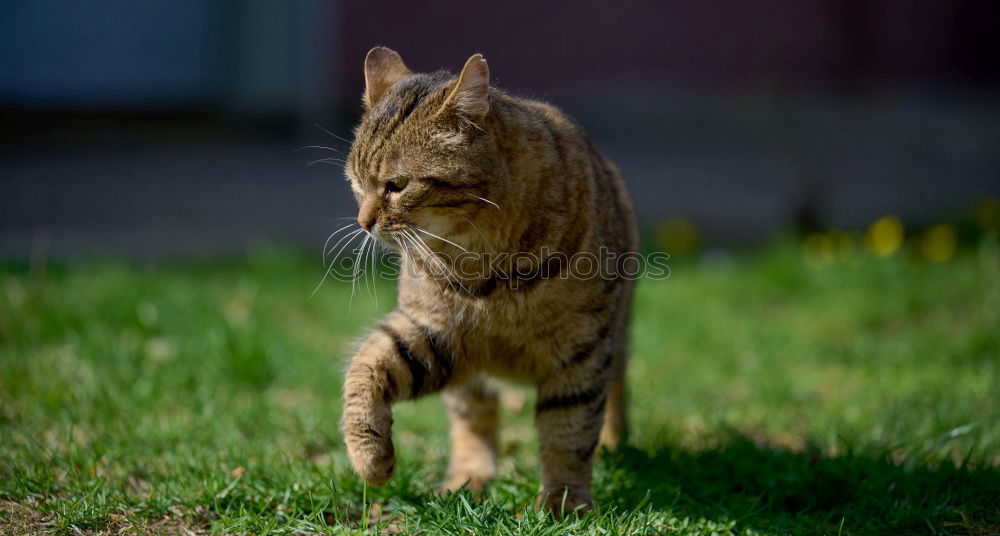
(423, 158)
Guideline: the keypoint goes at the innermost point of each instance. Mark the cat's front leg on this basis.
(569, 415)
(400, 360)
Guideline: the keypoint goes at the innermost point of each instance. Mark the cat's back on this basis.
(575, 185)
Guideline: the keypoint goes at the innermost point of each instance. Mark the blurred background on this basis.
(163, 129)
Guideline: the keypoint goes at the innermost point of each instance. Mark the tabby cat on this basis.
(491, 200)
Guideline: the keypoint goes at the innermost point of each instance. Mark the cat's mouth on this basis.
(412, 237)
(392, 236)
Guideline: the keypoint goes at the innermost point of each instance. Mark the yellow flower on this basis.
(885, 236)
(939, 242)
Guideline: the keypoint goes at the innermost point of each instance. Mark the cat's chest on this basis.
(509, 319)
(519, 339)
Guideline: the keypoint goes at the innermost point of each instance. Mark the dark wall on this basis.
(161, 128)
(154, 53)
(793, 44)
(234, 59)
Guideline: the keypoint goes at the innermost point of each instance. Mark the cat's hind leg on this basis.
(615, 429)
(569, 415)
(473, 417)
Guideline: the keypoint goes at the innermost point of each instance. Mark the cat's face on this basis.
(418, 165)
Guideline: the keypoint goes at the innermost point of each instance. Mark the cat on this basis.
(491, 200)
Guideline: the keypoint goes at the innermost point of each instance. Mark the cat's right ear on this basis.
(383, 68)
(471, 95)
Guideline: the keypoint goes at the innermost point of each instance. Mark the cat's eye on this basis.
(396, 184)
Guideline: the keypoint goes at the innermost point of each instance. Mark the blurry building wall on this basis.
(794, 44)
(161, 127)
(114, 53)
(252, 59)
(267, 57)
(745, 117)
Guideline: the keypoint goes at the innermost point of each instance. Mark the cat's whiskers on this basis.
(375, 254)
(316, 147)
(426, 232)
(332, 134)
(428, 259)
(366, 258)
(448, 270)
(327, 269)
(353, 235)
(327, 243)
(354, 278)
(417, 273)
(332, 160)
(403, 252)
(331, 256)
(483, 199)
(436, 266)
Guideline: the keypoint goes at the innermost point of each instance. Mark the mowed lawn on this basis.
(768, 397)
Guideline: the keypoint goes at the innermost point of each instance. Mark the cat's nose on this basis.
(367, 217)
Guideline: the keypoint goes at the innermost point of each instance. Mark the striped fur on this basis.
(460, 166)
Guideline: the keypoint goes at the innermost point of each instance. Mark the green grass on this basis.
(767, 398)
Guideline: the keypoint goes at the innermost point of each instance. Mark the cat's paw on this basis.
(565, 502)
(475, 483)
(370, 449)
(472, 466)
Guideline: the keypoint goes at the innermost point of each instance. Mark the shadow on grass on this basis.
(805, 492)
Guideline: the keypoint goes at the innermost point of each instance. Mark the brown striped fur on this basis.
(491, 173)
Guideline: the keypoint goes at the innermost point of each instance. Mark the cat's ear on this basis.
(471, 95)
(383, 68)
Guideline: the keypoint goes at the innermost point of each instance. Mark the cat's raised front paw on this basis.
(370, 449)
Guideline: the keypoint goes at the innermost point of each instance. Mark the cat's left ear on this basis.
(383, 68)
(471, 94)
